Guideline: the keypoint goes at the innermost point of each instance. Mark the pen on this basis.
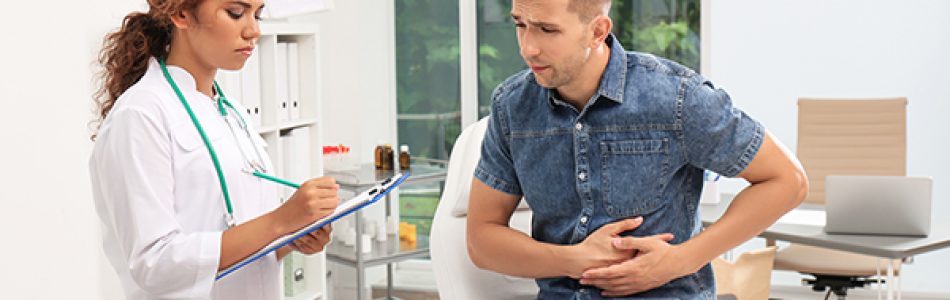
(275, 179)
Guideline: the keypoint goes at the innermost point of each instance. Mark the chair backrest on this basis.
(456, 276)
(749, 277)
(850, 137)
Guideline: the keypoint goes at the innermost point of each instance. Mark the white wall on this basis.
(358, 60)
(48, 224)
(769, 53)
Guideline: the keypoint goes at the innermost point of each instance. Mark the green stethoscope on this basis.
(253, 167)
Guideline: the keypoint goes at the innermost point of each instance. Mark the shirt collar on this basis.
(184, 80)
(615, 74)
(612, 80)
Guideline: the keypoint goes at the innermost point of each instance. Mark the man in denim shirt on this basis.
(608, 148)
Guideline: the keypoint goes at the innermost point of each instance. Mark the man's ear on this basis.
(183, 19)
(601, 26)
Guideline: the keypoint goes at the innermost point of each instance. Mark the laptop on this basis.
(878, 205)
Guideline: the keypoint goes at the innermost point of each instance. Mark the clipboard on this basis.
(361, 200)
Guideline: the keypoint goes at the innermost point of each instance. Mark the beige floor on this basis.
(406, 295)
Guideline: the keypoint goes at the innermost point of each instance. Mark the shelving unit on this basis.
(266, 111)
(382, 252)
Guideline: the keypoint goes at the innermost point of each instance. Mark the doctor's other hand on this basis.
(596, 250)
(315, 199)
(313, 242)
(655, 263)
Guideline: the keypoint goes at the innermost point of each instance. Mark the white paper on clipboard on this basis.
(345, 208)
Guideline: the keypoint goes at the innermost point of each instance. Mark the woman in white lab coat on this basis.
(174, 192)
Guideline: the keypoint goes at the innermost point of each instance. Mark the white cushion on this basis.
(465, 155)
(457, 277)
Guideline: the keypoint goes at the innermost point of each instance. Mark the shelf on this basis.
(309, 295)
(367, 175)
(284, 28)
(389, 251)
(286, 56)
(288, 125)
(383, 253)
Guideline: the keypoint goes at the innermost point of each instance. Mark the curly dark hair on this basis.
(125, 52)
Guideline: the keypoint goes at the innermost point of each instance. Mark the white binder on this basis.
(297, 162)
(280, 81)
(287, 159)
(293, 80)
(251, 87)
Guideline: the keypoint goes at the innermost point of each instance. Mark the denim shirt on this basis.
(638, 148)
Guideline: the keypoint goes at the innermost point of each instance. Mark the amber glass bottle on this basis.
(378, 155)
(404, 157)
(388, 156)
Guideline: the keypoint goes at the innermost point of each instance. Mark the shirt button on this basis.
(579, 126)
(583, 219)
(582, 176)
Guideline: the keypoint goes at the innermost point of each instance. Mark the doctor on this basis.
(170, 167)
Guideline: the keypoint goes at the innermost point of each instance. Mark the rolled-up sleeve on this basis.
(133, 180)
(496, 168)
(717, 135)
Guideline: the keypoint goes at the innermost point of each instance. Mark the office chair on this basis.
(844, 137)
(748, 278)
(456, 275)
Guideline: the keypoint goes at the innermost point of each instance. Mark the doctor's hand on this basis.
(596, 251)
(313, 242)
(315, 199)
(655, 263)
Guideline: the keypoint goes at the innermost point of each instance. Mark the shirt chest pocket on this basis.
(633, 172)
(188, 139)
(189, 153)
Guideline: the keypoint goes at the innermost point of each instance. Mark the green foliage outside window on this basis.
(427, 75)
(666, 28)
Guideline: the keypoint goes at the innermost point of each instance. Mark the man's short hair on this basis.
(588, 9)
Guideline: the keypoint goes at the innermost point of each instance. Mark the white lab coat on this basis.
(159, 200)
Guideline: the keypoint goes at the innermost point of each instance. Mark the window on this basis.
(667, 28)
(498, 54)
(427, 89)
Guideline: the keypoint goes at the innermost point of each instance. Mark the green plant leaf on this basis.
(488, 51)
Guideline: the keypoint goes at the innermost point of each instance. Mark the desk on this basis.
(387, 252)
(891, 247)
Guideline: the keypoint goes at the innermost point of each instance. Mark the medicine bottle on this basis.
(378, 156)
(388, 157)
(404, 157)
